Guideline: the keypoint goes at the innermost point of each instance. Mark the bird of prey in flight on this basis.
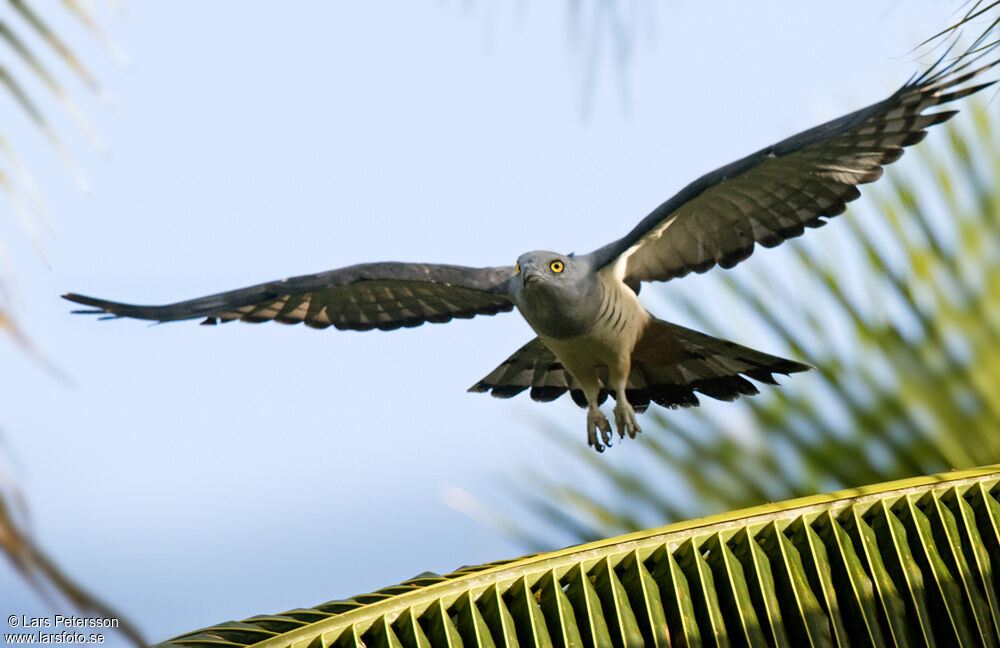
(594, 336)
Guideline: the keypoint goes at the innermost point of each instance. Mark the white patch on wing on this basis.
(619, 268)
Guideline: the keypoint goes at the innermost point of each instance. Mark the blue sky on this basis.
(191, 475)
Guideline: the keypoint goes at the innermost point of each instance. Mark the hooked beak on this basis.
(529, 275)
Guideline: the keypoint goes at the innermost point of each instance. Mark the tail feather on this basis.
(670, 366)
(716, 368)
(534, 366)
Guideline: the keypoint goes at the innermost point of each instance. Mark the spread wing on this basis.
(773, 194)
(361, 297)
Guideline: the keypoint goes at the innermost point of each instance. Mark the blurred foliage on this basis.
(603, 35)
(900, 315)
(41, 571)
(34, 49)
(26, 75)
(983, 16)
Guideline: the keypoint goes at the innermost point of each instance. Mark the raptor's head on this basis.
(555, 292)
(543, 270)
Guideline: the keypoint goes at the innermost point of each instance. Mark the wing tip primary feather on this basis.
(115, 310)
(787, 367)
(83, 299)
(478, 388)
(98, 306)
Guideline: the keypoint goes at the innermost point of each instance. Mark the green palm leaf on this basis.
(31, 67)
(32, 63)
(38, 569)
(985, 14)
(903, 563)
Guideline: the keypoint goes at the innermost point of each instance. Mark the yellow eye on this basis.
(557, 266)
(517, 268)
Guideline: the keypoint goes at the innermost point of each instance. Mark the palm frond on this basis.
(16, 181)
(31, 80)
(27, 203)
(900, 563)
(984, 15)
(38, 569)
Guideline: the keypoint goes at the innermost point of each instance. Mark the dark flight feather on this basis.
(772, 195)
(369, 296)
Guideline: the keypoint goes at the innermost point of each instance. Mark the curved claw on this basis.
(597, 422)
(625, 421)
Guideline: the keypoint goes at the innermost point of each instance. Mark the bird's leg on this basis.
(596, 421)
(624, 414)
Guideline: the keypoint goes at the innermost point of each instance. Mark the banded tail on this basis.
(669, 364)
